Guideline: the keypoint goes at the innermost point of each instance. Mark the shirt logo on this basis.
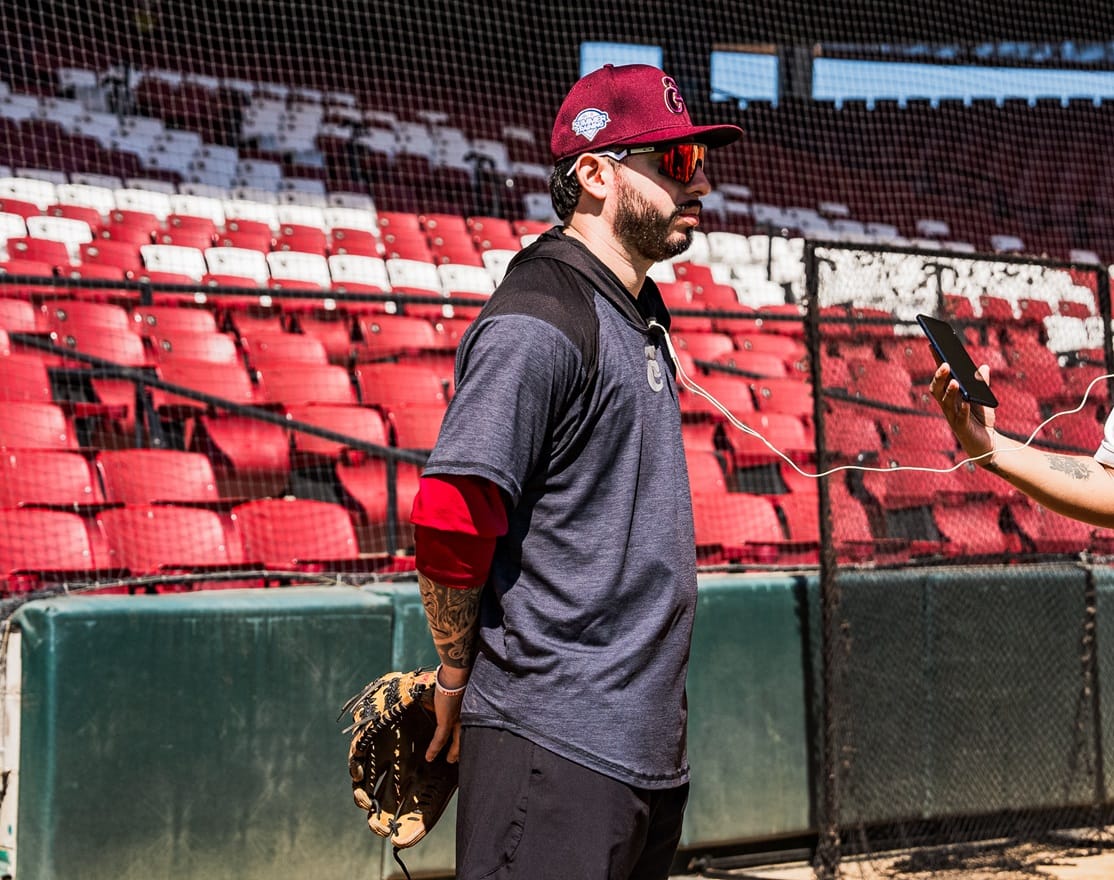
(653, 369)
(590, 122)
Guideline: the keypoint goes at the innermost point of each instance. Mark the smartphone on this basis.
(950, 349)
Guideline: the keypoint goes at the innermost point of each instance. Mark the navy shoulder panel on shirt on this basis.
(551, 291)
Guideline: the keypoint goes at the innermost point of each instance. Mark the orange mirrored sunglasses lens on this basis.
(681, 161)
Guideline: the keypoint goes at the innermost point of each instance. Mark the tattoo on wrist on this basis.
(453, 615)
(1069, 465)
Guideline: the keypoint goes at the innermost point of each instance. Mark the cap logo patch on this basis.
(674, 103)
(590, 122)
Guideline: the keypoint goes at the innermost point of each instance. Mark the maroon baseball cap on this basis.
(633, 105)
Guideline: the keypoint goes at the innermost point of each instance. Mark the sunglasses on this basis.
(679, 162)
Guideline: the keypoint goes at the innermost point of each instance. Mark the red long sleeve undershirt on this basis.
(457, 520)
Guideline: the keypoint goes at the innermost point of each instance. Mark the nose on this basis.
(699, 185)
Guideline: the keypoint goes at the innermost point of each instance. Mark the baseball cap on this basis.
(630, 104)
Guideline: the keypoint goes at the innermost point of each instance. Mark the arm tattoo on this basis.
(1073, 467)
(453, 616)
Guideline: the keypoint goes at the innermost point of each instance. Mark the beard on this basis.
(646, 231)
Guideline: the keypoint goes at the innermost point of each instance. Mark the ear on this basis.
(594, 173)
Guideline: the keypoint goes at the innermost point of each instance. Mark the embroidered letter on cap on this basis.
(590, 122)
(673, 100)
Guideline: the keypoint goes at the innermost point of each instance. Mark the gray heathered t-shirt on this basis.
(565, 399)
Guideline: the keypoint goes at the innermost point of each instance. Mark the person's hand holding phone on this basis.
(972, 423)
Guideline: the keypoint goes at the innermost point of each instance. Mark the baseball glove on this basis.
(392, 724)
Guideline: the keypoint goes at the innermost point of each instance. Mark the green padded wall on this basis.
(748, 730)
(963, 692)
(1104, 636)
(195, 736)
(882, 694)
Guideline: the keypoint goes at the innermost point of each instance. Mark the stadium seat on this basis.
(851, 433)
(360, 423)
(104, 251)
(47, 478)
(707, 346)
(17, 315)
(415, 426)
(784, 395)
(387, 336)
(265, 348)
(189, 345)
(167, 539)
(333, 329)
(238, 261)
(370, 271)
(311, 269)
(52, 253)
(302, 239)
(740, 528)
(1042, 531)
(732, 392)
(365, 484)
(974, 530)
(392, 385)
(153, 320)
(910, 431)
(180, 260)
(786, 432)
(45, 546)
(356, 242)
(298, 534)
(32, 424)
(26, 378)
(150, 476)
(186, 236)
(304, 382)
(705, 471)
(91, 217)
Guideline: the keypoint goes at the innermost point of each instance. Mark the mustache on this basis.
(691, 204)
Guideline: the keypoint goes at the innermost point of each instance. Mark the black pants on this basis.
(523, 813)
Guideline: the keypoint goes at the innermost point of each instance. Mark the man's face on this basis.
(654, 233)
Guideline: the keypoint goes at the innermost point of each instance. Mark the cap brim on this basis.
(712, 136)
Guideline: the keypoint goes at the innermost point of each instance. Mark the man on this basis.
(1077, 486)
(553, 526)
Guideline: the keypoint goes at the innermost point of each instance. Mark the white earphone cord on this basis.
(688, 383)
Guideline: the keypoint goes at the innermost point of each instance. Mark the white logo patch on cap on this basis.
(590, 122)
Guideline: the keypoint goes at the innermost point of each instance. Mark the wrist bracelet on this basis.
(444, 691)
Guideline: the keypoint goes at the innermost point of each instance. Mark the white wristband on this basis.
(441, 689)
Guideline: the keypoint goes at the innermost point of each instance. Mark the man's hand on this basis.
(447, 709)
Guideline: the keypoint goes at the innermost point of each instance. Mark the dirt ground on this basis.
(990, 862)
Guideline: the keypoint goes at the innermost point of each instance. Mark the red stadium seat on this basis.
(416, 426)
(303, 382)
(211, 346)
(357, 422)
(45, 546)
(153, 320)
(55, 478)
(25, 378)
(387, 336)
(148, 476)
(35, 425)
(166, 539)
(265, 348)
(735, 527)
(392, 385)
(297, 534)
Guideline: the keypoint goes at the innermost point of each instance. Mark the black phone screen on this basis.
(950, 349)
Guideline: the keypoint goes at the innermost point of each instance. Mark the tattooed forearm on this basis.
(1073, 467)
(453, 617)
